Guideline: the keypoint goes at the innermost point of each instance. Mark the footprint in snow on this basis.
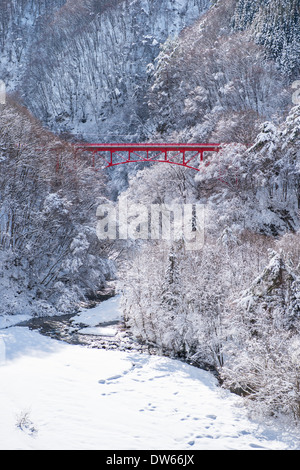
(118, 376)
(110, 379)
(150, 407)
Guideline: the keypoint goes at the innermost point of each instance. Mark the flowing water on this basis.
(99, 326)
(62, 328)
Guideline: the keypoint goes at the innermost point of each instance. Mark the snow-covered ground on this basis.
(54, 395)
(105, 312)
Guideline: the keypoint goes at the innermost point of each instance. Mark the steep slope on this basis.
(86, 72)
(215, 81)
(81, 66)
(21, 24)
(275, 25)
(261, 183)
(50, 256)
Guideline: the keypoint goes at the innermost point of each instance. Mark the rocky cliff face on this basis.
(21, 24)
(82, 66)
(85, 70)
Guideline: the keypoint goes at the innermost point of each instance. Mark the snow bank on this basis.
(105, 312)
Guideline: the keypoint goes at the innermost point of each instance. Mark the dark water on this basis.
(62, 328)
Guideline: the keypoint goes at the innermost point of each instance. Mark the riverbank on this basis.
(99, 326)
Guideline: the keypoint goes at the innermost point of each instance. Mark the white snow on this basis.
(10, 320)
(105, 312)
(98, 331)
(76, 398)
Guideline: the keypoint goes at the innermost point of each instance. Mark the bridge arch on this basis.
(185, 155)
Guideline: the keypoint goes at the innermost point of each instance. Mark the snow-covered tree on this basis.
(263, 330)
(49, 249)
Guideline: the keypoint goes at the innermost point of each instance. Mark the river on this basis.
(99, 327)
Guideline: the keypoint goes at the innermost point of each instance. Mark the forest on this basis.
(160, 71)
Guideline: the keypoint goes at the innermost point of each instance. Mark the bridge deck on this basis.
(149, 146)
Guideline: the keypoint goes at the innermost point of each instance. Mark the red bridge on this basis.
(187, 155)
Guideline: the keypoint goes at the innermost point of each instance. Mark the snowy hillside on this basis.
(189, 303)
(216, 83)
(86, 70)
(275, 25)
(50, 257)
